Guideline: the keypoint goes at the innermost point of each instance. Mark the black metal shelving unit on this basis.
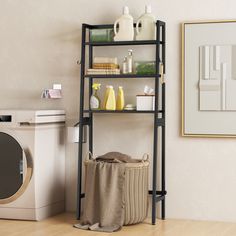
(86, 115)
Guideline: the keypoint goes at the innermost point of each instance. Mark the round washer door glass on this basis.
(11, 166)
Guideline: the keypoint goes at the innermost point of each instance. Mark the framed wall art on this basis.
(209, 79)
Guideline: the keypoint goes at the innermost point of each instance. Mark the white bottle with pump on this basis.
(126, 27)
(148, 25)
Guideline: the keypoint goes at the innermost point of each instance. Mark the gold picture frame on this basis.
(183, 132)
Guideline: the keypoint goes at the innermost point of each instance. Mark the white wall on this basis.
(39, 45)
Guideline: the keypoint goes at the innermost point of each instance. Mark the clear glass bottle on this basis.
(130, 61)
(124, 66)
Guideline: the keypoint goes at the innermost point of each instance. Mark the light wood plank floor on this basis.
(61, 225)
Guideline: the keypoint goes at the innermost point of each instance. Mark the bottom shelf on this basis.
(160, 195)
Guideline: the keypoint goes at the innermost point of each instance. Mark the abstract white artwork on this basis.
(209, 79)
(217, 81)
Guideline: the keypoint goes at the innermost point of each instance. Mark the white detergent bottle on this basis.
(147, 31)
(126, 27)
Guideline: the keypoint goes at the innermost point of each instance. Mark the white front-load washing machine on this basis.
(32, 163)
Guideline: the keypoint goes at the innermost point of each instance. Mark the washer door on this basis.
(15, 169)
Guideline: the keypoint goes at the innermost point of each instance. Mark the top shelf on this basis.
(111, 26)
(124, 43)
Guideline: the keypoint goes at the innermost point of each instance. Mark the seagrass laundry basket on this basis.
(135, 191)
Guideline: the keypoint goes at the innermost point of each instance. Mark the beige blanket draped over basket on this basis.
(116, 192)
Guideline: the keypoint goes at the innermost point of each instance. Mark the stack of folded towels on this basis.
(104, 66)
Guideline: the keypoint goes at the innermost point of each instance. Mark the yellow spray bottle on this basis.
(95, 102)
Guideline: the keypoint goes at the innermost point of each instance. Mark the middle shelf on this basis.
(121, 76)
(122, 111)
(125, 43)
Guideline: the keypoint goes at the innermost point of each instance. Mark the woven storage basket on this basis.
(136, 191)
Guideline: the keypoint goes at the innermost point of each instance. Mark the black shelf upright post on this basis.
(159, 122)
(90, 94)
(163, 141)
(155, 139)
(81, 122)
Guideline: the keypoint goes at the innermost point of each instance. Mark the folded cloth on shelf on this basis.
(91, 71)
(105, 66)
(105, 60)
(104, 193)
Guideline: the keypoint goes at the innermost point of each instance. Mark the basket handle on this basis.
(145, 157)
(89, 156)
(115, 27)
(137, 26)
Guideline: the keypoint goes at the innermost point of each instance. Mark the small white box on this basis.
(57, 86)
(145, 102)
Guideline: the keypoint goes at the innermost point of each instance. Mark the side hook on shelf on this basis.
(162, 79)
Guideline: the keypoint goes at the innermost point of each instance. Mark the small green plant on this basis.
(145, 68)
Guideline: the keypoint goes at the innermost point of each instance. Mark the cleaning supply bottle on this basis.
(120, 101)
(126, 26)
(95, 102)
(110, 103)
(130, 61)
(124, 66)
(148, 25)
(105, 97)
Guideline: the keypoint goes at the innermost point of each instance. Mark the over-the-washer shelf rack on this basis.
(86, 115)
